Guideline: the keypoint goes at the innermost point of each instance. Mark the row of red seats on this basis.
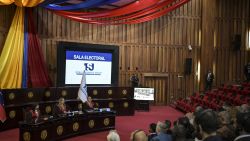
(214, 99)
(239, 89)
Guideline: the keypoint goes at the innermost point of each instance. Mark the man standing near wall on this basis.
(247, 71)
(209, 80)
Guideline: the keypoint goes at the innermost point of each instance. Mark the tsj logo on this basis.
(89, 66)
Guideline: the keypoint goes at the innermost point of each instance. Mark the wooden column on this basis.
(207, 39)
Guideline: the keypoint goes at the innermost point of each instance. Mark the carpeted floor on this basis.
(124, 125)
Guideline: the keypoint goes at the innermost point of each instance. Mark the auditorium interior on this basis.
(129, 70)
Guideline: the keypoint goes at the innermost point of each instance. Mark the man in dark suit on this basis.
(209, 80)
(206, 125)
(243, 122)
(134, 80)
(247, 71)
(152, 131)
(161, 130)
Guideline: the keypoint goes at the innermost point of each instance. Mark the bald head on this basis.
(138, 135)
(113, 136)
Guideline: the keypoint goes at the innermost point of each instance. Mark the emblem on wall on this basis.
(59, 130)
(47, 94)
(106, 121)
(91, 123)
(124, 92)
(64, 93)
(47, 109)
(75, 126)
(111, 105)
(110, 92)
(30, 94)
(95, 92)
(125, 104)
(26, 136)
(44, 134)
(12, 114)
(11, 96)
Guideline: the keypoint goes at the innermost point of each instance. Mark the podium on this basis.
(142, 105)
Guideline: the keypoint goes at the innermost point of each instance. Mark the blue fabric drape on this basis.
(25, 53)
(47, 2)
(85, 4)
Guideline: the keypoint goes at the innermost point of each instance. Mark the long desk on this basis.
(66, 126)
(119, 99)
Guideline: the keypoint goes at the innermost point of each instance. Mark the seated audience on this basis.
(243, 123)
(206, 125)
(168, 126)
(138, 135)
(152, 131)
(61, 108)
(190, 131)
(190, 116)
(161, 133)
(113, 136)
(226, 129)
(198, 110)
(179, 133)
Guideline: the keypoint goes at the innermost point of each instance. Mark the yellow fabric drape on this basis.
(6, 2)
(11, 59)
(21, 3)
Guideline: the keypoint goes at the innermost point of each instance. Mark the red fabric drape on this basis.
(147, 14)
(128, 9)
(38, 75)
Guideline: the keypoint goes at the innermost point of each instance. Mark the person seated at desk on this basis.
(31, 113)
(61, 108)
(89, 104)
(36, 112)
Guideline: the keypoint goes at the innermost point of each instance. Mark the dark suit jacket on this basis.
(85, 106)
(152, 135)
(162, 137)
(57, 111)
(213, 138)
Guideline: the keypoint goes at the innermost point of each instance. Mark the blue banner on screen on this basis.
(97, 66)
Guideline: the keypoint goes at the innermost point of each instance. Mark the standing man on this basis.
(247, 71)
(134, 80)
(209, 80)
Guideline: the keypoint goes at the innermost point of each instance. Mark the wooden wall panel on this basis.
(232, 18)
(158, 46)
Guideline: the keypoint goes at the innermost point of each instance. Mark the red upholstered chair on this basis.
(245, 91)
(229, 97)
(237, 100)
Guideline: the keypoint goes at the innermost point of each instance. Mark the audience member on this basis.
(152, 131)
(168, 126)
(161, 133)
(113, 136)
(190, 131)
(198, 110)
(243, 122)
(179, 133)
(226, 129)
(206, 125)
(138, 135)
